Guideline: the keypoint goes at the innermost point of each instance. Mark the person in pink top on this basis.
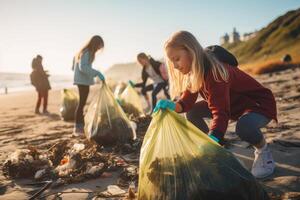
(154, 70)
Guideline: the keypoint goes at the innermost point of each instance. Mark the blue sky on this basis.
(58, 29)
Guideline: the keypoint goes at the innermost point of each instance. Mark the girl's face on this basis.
(99, 46)
(143, 61)
(181, 59)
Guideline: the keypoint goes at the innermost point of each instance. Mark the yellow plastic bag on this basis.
(179, 162)
(131, 102)
(69, 104)
(105, 121)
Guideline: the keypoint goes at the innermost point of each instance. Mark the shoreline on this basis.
(15, 90)
(19, 82)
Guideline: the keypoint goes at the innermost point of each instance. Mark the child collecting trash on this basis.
(39, 79)
(84, 77)
(228, 93)
(154, 70)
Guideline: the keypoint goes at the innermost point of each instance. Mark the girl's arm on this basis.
(219, 104)
(144, 79)
(85, 66)
(186, 101)
(33, 79)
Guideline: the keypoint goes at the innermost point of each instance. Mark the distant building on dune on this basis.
(224, 39)
(235, 37)
(248, 36)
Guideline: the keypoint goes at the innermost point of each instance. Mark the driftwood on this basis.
(36, 195)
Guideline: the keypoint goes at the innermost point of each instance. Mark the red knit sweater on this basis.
(230, 100)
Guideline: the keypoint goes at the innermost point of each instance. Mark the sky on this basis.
(57, 30)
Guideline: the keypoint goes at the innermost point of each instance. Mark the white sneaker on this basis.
(78, 131)
(263, 164)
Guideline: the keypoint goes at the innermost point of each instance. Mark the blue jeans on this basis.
(247, 127)
(156, 89)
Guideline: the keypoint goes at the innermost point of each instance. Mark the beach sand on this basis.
(20, 127)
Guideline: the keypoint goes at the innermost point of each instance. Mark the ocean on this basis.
(16, 82)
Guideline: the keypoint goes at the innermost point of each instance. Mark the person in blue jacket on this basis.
(84, 77)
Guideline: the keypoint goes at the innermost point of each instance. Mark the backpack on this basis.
(222, 55)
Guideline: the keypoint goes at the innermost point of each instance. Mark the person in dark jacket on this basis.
(227, 92)
(154, 70)
(39, 79)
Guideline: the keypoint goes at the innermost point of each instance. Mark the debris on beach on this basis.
(41, 174)
(117, 193)
(74, 166)
(113, 191)
(69, 162)
(128, 176)
(25, 163)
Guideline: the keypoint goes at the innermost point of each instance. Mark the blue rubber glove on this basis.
(131, 83)
(101, 76)
(164, 104)
(217, 136)
(214, 138)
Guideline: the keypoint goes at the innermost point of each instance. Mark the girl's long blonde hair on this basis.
(195, 80)
(92, 46)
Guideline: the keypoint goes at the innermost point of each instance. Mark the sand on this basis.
(20, 127)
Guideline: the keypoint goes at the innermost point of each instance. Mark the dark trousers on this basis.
(83, 94)
(156, 89)
(42, 95)
(247, 127)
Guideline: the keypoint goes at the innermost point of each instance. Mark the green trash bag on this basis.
(69, 104)
(105, 121)
(179, 162)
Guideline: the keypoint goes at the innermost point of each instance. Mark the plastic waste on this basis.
(178, 161)
(105, 121)
(69, 104)
(131, 102)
